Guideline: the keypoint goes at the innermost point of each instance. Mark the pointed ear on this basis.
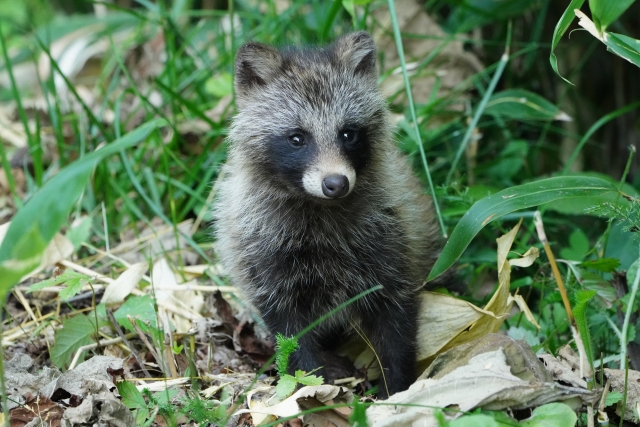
(256, 65)
(358, 52)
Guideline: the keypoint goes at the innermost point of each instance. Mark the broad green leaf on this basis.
(551, 415)
(349, 7)
(304, 379)
(578, 246)
(561, 28)
(139, 307)
(612, 398)
(133, 399)
(525, 196)
(35, 224)
(623, 46)
(606, 265)
(164, 397)
(80, 233)
(604, 12)
(521, 104)
(286, 384)
(75, 333)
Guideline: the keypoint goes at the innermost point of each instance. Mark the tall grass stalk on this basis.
(597, 125)
(627, 317)
(481, 106)
(412, 108)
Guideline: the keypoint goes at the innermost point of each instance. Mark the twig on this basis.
(586, 371)
(25, 304)
(102, 343)
(143, 337)
(118, 329)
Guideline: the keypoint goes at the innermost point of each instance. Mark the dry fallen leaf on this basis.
(486, 381)
(324, 394)
(117, 291)
(459, 322)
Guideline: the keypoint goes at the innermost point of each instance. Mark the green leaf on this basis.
(606, 265)
(558, 32)
(286, 384)
(604, 12)
(473, 13)
(478, 420)
(31, 229)
(163, 398)
(80, 233)
(633, 271)
(284, 348)
(304, 379)
(133, 399)
(76, 332)
(64, 277)
(580, 314)
(578, 246)
(520, 104)
(623, 46)
(349, 7)
(358, 417)
(526, 196)
(139, 307)
(73, 287)
(220, 85)
(551, 415)
(612, 398)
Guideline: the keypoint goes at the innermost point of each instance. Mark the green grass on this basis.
(175, 63)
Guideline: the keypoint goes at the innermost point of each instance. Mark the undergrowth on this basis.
(477, 130)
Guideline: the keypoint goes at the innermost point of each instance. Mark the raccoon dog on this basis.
(319, 205)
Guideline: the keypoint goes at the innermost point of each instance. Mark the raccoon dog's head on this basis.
(309, 119)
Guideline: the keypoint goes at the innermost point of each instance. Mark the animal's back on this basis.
(319, 205)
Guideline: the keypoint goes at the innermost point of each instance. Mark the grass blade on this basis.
(481, 106)
(37, 222)
(597, 125)
(412, 107)
(558, 32)
(512, 199)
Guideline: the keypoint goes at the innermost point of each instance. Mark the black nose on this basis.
(334, 186)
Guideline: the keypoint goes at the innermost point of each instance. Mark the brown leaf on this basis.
(40, 407)
(246, 340)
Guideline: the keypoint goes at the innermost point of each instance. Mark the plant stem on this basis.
(627, 318)
(481, 106)
(412, 108)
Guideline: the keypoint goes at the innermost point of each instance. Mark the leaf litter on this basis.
(172, 330)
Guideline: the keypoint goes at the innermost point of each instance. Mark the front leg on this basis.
(391, 327)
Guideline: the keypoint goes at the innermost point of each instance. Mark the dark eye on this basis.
(349, 136)
(297, 140)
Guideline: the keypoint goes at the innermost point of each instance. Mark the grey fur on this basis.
(382, 233)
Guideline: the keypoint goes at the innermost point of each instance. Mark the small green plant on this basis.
(627, 215)
(287, 383)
